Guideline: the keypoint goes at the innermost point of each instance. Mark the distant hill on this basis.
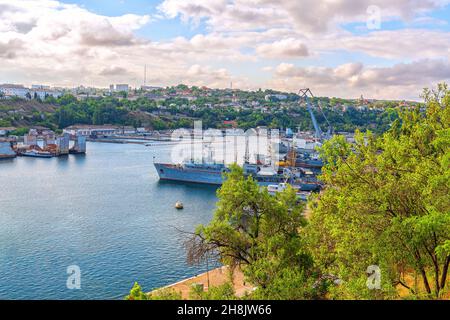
(171, 110)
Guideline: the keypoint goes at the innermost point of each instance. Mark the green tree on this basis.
(164, 294)
(386, 203)
(19, 131)
(261, 234)
(222, 292)
(136, 293)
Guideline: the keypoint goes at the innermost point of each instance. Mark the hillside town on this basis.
(192, 97)
(148, 108)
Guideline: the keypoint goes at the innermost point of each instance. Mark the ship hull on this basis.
(170, 172)
(7, 156)
(176, 173)
(309, 164)
(37, 155)
(309, 187)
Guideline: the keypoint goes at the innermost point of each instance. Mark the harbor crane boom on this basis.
(305, 94)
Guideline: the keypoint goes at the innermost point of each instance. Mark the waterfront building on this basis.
(128, 130)
(142, 130)
(62, 144)
(5, 130)
(30, 139)
(93, 130)
(49, 139)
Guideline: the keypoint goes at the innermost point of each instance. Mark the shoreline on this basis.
(214, 277)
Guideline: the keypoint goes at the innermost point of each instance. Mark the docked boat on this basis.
(6, 151)
(266, 176)
(192, 172)
(306, 179)
(275, 188)
(309, 162)
(37, 154)
(214, 173)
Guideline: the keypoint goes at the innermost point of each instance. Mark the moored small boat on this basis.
(37, 154)
(275, 188)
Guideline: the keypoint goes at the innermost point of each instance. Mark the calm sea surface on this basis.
(105, 212)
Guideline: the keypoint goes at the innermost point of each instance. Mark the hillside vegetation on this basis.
(176, 112)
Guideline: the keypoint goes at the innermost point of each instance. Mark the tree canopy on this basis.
(386, 203)
(384, 212)
(261, 234)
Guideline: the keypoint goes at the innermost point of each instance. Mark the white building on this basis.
(150, 88)
(127, 130)
(91, 130)
(14, 90)
(122, 87)
(141, 130)
(42, 93)
(275, 96)
(18, 90)
(40, 87)
(30, 140)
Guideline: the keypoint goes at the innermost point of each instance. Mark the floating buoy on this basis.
(179, 205)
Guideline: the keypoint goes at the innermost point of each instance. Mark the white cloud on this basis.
(350, 80)
(44, 40)
(65, 44)
(286, 48)
(397, 44)
(307, 16)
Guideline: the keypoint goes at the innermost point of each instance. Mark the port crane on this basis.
(305, 95)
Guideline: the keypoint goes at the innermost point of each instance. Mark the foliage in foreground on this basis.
(136, 293)
(262, 235)
(386, 203)
(222, 292)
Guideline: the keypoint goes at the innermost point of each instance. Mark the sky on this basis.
(380, 49)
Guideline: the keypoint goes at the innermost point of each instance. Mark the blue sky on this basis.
(159, 29)
(269, 44)
(165, 29)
